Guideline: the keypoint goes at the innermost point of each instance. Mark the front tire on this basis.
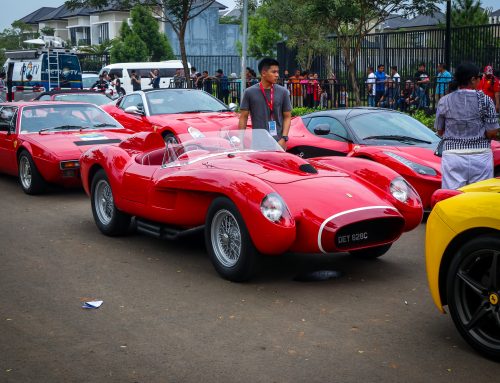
(473, 293)
(29, 177)
(228, 242)
(108, 218)
(371, 253)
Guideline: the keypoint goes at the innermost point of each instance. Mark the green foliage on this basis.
(147, 28)
(424, 118)
(129, 49)
(262, 34)
(48, 31)
(98, 50)
(468, 12)
(300, 111)
(229, 20)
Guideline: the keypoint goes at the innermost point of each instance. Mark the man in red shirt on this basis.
(490, 85)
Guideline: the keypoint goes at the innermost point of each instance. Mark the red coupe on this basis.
(249, 195)
(171, 112)
(41, 142)
(385, 136)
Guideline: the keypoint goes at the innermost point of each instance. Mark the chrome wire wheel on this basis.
(25, 172)
(103, 200)
(226, 238)
(476, 296)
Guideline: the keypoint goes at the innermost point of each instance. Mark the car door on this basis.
(8, 139)
(136, 122)
(330, 137)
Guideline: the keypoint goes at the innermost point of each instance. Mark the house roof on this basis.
(394, 21)
(35, 16)
(496, 13)
(424, 20)
(63, 12)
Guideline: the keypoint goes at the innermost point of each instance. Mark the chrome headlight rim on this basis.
(273, 207)
(400, 189)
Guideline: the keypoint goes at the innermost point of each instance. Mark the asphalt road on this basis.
(168, 317)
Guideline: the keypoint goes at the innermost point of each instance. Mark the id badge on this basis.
(273, 131)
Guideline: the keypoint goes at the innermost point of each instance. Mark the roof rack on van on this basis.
(34, 53)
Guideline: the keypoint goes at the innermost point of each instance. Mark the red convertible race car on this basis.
(249, 195)
(41, 142)
(171, 112)
(391, 138)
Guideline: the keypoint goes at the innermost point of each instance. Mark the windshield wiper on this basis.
(397, 138)
(61, 127)
(197, 111)
(104, 125)
(223, 110)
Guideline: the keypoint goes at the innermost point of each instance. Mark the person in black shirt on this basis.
(100, 85)
(422, 80)
(135, 80)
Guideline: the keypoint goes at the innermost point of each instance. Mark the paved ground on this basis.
(167, 316)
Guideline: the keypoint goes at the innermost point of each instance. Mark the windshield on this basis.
(182, 101)
(92, 98)
(396, 127)
(196, 146)
(65, 117)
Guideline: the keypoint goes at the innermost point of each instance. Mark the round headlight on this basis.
(272, 207)
(399, 189)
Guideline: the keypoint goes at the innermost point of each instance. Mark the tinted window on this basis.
(144, 72)
(337, 131)
(182, 101)
(118, 72)
(387, 123)
(132, 100)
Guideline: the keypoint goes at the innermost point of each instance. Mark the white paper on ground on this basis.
(92, 304)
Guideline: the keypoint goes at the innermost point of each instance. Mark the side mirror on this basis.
(232, 106)
(322, 130)
(134, 110)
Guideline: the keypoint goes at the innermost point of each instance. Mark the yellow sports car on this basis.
(462, 252)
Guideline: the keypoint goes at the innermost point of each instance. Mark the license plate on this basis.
(352, 238)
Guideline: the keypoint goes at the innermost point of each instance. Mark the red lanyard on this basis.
(270, 104)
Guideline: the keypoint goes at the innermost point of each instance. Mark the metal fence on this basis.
(406, 49)
(229, 64)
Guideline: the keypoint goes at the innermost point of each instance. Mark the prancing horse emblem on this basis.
(349, 195)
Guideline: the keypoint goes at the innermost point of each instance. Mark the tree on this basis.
(98, 49)
(303, 31)
(468, 12)
(263, 35)
(177, 13)
(147, 28)
(48, 31)
(129, 47)
(352, 20)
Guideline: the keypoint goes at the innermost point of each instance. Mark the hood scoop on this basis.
(308, 168)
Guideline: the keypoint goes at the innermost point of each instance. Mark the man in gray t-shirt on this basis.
(268, 104)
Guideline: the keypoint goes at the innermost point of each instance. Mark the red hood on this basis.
(73, 143)
(424, 156)
(202, 121)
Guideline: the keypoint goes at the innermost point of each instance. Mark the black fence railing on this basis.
(406, 49)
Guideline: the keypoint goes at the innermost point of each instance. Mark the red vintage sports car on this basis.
(171, 112)
(385, 136)
(41, 142)
(249, 195)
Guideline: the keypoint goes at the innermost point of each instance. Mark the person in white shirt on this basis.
(370, 85)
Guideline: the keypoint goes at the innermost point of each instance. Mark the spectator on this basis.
(422, 82)
(388, 100)
(199, 80)
(442, 82)
(268, 104)
(178, 79)
(295, 87)
(323, 98)
(119, 89)
(490, 85)
(206, 81)
(155, 78)
(467, 121)
(396, 78)
(235, 86)
(316, 89)
(380, 84)
(406, 99)
(370, 86)
(222, 86)
(100, 85)
(135, 80)
(343, 98)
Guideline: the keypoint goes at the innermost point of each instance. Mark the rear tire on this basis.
(29, 177)
(473, 294)
(371, 253)
(228, 242)
(108, 218)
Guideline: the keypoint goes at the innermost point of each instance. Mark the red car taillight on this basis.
(442, 194)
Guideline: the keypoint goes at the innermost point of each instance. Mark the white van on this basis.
(122, 70)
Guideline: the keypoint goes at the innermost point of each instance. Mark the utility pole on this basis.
(447, 39)
(244, 48)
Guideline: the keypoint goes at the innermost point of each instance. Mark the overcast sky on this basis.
(22, 8)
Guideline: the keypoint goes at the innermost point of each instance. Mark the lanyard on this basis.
(270, 104)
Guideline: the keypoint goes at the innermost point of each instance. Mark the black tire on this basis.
(29, 177)
(371, 253)
(170, 137)
(108, 219)
(473, 293)
(497, 172)
(245, 266)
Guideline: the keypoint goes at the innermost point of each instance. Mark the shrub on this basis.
(425, 118)
(303, 110)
